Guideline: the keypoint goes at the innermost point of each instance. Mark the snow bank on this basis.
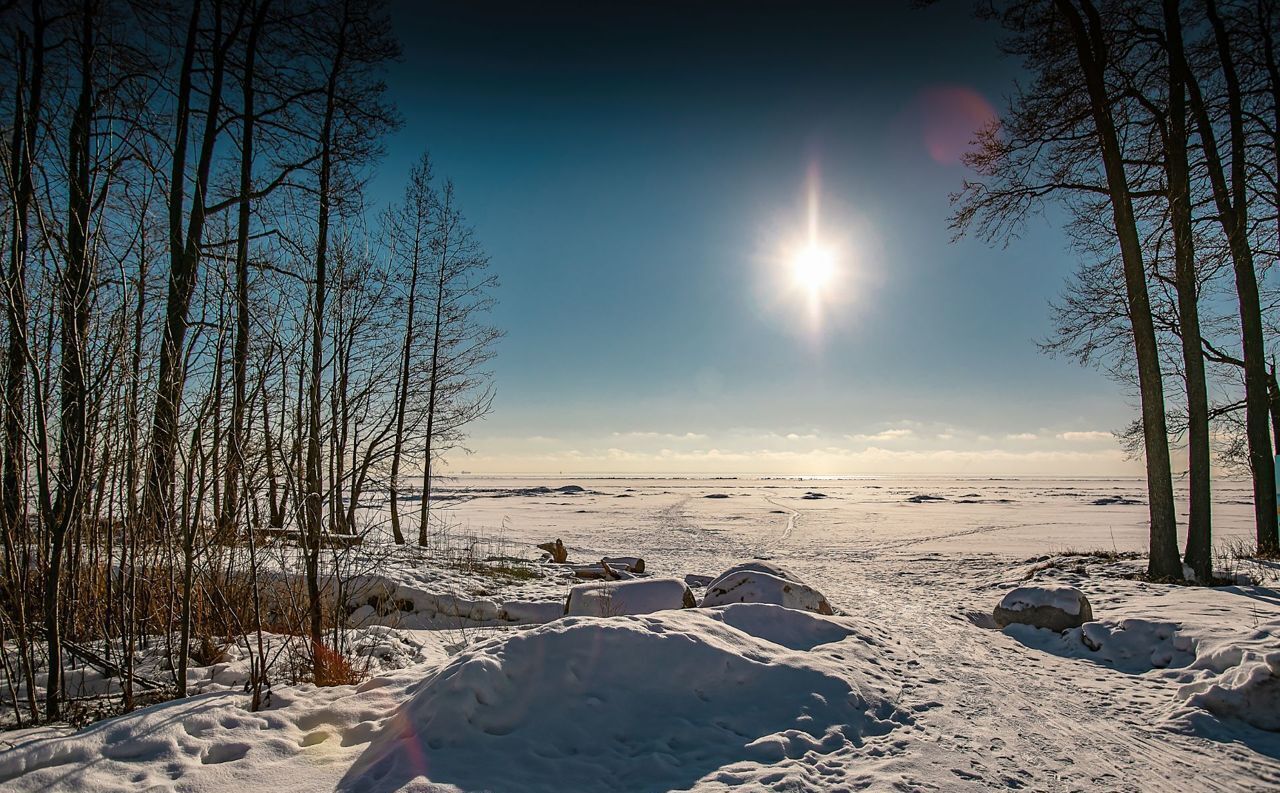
(1249, 691)
(653, 702)
(1236, 677)
(382, 601)
(628, 597)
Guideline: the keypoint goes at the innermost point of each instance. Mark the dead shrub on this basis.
(332, 668)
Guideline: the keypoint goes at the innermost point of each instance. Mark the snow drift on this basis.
(633, 703)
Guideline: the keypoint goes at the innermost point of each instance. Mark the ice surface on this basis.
(1165, 693)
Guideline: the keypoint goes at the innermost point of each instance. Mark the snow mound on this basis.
(1136, 645)
(1248, 691)
(1239, 679)
(614, 599)
(758, 566)
(653, 702)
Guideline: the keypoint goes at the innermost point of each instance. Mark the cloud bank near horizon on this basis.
(904, 447)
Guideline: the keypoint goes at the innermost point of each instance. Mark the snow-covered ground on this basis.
(907, 687)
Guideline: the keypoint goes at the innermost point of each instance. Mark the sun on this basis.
(813, 267)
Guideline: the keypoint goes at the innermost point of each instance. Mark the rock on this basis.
(628, 597)
(761, 582)
(1053, 606)
(758, 566)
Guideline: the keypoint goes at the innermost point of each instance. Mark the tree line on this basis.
(211, 341)
(1155, 127)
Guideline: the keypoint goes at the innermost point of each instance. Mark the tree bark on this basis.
(1198, 555)
(1091, 51)
(1231, 202)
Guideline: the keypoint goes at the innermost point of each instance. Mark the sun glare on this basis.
(813, 267)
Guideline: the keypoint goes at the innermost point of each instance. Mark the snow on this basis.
(1063, 598)
(1249, 691)
(655, 702)
(642, 596)
(1169, 686)
(752, 586)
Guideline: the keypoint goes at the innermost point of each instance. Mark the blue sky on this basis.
(639, 173)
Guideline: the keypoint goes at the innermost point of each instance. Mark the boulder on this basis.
(1053, 606)
(750, 584)
(758, 566)
(642, 596)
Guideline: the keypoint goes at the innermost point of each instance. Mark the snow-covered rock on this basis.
(755, 583)
(1053, 606)
(616, 598)
(654, 702)
(758, 566)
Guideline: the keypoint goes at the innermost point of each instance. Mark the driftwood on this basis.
(559, 554)
(633, 563)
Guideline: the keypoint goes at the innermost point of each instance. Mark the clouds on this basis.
(899, 447)
(1090, 436)
(663, 436)
(884, 435)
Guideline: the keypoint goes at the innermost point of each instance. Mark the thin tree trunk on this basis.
(22, 164)
(1199, 528)
(433, 387)
(184, 267)
(314, 497)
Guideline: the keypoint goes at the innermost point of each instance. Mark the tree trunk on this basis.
(22, 157)
(1199, 527)
(240, 354)
(1231, 202)
(1092, 54)
(184, 251)
(433, 387)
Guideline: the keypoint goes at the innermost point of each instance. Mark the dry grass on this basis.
(332, 668)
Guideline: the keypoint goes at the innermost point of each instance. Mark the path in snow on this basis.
(991, 711)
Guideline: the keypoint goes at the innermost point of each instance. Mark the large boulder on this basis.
(758, 566)
(761, 582)
(1053, 606)
(616, 598)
